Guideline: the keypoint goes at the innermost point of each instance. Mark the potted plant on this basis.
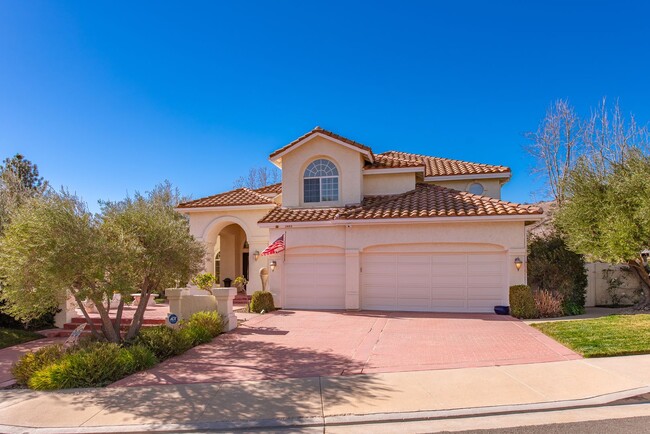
(204, 281)
(239, 283)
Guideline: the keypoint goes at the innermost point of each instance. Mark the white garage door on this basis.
(314, 281)
(455, 282)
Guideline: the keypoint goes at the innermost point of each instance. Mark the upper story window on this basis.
(321, 182)
(476, 188)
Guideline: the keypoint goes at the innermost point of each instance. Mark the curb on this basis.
(321, 422)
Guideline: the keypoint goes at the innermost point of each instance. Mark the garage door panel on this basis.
(314, 282)
(485, 280)
(422, 292)
(437, 282)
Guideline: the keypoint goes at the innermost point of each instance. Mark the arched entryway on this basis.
(230, 252)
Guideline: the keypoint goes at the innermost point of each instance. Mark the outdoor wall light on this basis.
(518, 263)
(256, 255)
(273, 264)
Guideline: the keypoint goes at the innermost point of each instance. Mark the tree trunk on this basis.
(645, 284)
(89, 321)
(107, 324)
(138, 316)
(118, 317)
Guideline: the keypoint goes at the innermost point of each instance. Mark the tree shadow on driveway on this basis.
(231, 358)
(193, 389)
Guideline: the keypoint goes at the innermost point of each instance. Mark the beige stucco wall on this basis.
(599, 273)
(349, 163)
(206, 227)
(388, 183)
(492, 186)
(353, 240)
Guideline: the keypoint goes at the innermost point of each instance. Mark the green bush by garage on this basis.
(554, 268)
(262, 301)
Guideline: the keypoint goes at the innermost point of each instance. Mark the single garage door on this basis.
(314, 281)
(434, 282)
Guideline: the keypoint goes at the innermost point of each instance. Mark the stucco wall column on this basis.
(254, 266)
(352, 278)
(516, 277)
(208, 265)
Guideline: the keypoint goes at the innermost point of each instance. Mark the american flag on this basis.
(276, 247)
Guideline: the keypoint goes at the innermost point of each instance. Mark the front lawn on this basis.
(9, 337)
(614, 335)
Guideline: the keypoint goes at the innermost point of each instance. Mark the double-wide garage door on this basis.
(428, 282)
(449, 282)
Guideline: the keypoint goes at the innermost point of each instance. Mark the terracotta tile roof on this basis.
(434, 166)
(325, 132)
(434, 201)
(240, 196)
(288, 215)
(273, 188)
(425, 201)
(386, 162)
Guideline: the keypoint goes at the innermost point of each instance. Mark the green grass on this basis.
(614, 335)
(9, 337)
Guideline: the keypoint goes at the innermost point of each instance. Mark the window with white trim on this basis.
(321, 182)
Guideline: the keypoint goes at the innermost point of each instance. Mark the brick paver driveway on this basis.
(286, 344)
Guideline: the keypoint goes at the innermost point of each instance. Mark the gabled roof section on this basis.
(435, 166)
(385, 162)
(238, 197)
(426, 201)
(273, 188)
(320, 131)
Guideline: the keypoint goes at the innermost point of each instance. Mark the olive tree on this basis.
(163, 250)
(55, 248)
(608, 215)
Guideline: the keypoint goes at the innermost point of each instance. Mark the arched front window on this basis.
(321, 181)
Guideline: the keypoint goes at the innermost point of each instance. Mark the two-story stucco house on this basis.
(389, 231)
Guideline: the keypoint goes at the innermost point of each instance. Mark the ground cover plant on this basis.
(93, 363)
(614, 335)
(9, 337)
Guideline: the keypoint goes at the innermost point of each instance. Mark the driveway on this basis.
(290, 344)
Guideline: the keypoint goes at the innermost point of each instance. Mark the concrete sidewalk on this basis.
(319, 401)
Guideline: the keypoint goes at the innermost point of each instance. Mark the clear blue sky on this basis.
(109, 98)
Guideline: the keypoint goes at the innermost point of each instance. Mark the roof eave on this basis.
(448, 219)
(501, 175)
(276, 157)
(188, 210)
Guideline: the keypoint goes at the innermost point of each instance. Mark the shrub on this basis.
(45, 321)
(548, 304)
(209, 320)
(553, 267)
(262, 301)
(570, 308)
(204, 281)
(522, 302)
(32, 362)
(163, 341)
(96, 365)
(195, 334)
